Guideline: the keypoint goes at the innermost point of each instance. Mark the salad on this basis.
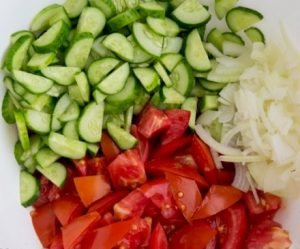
(141, 126)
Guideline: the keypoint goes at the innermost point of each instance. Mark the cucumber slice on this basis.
(9, 84)
(191, 13)
(139, 55)
(8, 109)
(163, 74)
(18, 152)
(45, 157)
(100, 50)
(61, 106)
(83, 85)
(163, 26)
(64, 76)
(121, 137)
(75, 94)
(119, 44)
(52, 39)
(66, 147)
(123, 19)
(29, 189)
(190, 104)
(101, 68)
(17, 53)
(211, 86)
(20, 90)
(148, 78)
(117, 119)
(56, 173)
(232, 37)
(37, 121)
(153, 9)
(255, 34)
(35, 144)
(151, 42)
(223, 6)
(56, 90)
(106, 6)
(92, 20)
(140, 102)
(43, 103)
(195, 53)
(99, 96)
(232, 49)
(47, 17)
(208, 102)
(128, 118)
(33, 83)
(120, 5)
(171, 60)
(71, 113)
(170, 96)
(40, 61)
(93, 149)
(241, 18)
(182, 78)
(70, 130)
(90, 122)
(172, 45)
(22, 130)
(79, 50)
(15, 36)
(216, 38)
(115, 81)
(74, 7)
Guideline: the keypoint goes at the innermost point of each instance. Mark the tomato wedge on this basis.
(91, 188)
(74, 232)
(143, 146)
(81, 166)
(67, 208)
(44, 223)
(200, 151)
(216, 200)
(152, 122)
(179, 122)
(158, 238)
(127, 170)
(97, 166)
(233, 227)
(107, 237)
(57, 242)
(108, 147)
(106, 203)
(186, 194)
(195, 236)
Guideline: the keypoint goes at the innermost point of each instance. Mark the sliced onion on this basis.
(253, 188)
(216, 157)
(240, 180)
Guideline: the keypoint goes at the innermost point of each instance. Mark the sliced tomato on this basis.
(233, 227)
(91, 188)
(225, 176)
(97, 166)
(195, 236)
(66, 208)
(44, 223)
(169, 149)
(82, 166)
(179, 120)
(216, 200)
(57, 242)
(107, 237)
(143, 146)
(74, 232)
(127, 170)
(187, 160)
(107, 202)
(175, 167)
(268, 234)
(108, 147)
(158, 238)
(152, 122)
(200, 151)
(131, 205)
(138, 236)
(186, 194)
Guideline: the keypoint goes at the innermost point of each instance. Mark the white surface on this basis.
(16, 231)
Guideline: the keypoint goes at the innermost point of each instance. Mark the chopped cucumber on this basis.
(123, 19)
(71, 113)
(61, 106)
(45, 157)
(128, 118)
(233, 37)
(22, 129)
(255, 35)
(8, 109)
(15, 36)
(208, 102)
(172, 45)
(61, 75)
(171, 60)
(223, 6)
(148, 78)
(211, 86)
(38, 122)
(190, 104)
(74, 7)
(163, 74)
(56, 173)
(29, 189)
(99, 96)
(83, 85)
(216, 38)
(152, 8)
(170, 96)
(106, 6)
(139, 55)
(163, 26)
(40, 61)
(70, 130)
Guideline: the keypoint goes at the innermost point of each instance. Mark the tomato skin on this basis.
(97, 166)
(195, 236)
(152, 122)
(234, 227)
(57, 242)
(216, 200)
(108, 147)
(143, 146)
(186, 194)
(179, 122)
(267, 235)
(75, 231)
(127, 170)
(107, 202)
(130, 206)
(66, 208)
(91, 188)
(82, 166)
(225, 177)
(158, 238)
(201, 152)
(44, 223)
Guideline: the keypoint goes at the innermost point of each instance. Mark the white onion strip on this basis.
(243, 159)
(240, 180)
(216, 157)
(253, 188)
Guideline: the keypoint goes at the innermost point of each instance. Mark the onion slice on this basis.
(216, 157)
(240, 180)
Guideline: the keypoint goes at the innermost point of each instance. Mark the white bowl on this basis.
(16, 231)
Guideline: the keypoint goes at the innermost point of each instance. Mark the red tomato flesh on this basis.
(158, 238)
